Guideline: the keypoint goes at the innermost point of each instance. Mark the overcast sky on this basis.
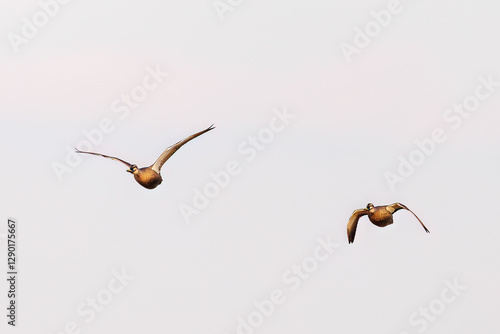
(320, 108)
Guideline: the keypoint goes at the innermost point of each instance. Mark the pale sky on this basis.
(266, 251)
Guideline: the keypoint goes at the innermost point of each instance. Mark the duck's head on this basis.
(133, 169)
(369, 206)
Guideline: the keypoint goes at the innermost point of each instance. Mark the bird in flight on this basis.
(378, 215)
(149, 177)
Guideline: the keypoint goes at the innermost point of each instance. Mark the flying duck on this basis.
(378, 215)
(149, 177)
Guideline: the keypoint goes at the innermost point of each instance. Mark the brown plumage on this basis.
(149, 177)
(378, 215)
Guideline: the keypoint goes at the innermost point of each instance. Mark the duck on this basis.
(379, 215)
(150, 177)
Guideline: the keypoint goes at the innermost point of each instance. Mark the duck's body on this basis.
(149, 177)
(379, 215)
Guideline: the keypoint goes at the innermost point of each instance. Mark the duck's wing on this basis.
(105, 156)
(172, 149)
(353, 223)
(397, 206)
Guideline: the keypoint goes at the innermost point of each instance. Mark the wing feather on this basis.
(105, 156)
(397, 206)
(353, 223)
(172, 149)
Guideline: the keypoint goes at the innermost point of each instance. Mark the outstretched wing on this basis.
(172, 149)
(397, 206)
(353, 223)
(105, 156)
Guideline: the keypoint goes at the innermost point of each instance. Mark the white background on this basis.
(353, 121)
